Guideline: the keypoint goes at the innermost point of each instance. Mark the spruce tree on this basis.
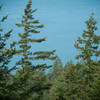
(31, 27)
(5, 58)
(56, 69)
(57, 79)
(30, 84)
(4, 52)
(88, 44)
(58, 89)
(29, 70)
(95, 91)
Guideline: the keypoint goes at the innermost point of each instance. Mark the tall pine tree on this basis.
(29, 71)
(5, 57)
(31, 27)
(88, 44)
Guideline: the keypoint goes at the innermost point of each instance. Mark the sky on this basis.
(63, 21)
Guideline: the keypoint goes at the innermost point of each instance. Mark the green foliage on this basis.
(29, 84)
(88, 44)
(30, 26)
(57, 67)
(5, 57)
(57, 81)
(29, 80)
(68, 64)
(58, 89)
(79, 81)
(96, 91)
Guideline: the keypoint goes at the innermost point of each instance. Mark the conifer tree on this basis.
(31, 27)
(76, 89)
(23, 48)
(31, 85)
(58, 89)
(57, 79)
(95, 91)
(5, 57)
(88, 44)
(4, 52)
(68, 64)
(56, 69)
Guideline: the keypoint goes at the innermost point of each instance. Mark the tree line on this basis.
(80, 81)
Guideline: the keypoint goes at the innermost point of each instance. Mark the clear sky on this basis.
(63, 20)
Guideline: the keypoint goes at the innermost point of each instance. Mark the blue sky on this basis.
(63, 20)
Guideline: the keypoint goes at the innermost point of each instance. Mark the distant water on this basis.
(63, 20)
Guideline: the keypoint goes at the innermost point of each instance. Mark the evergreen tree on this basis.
(5, 57)
(23, 46)
(31, 85)
(75, 83)
(58, 89)
(56, 69)
(30, 26)
(95, 90)
(88, 44)
(68, 64)
(57, 79)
